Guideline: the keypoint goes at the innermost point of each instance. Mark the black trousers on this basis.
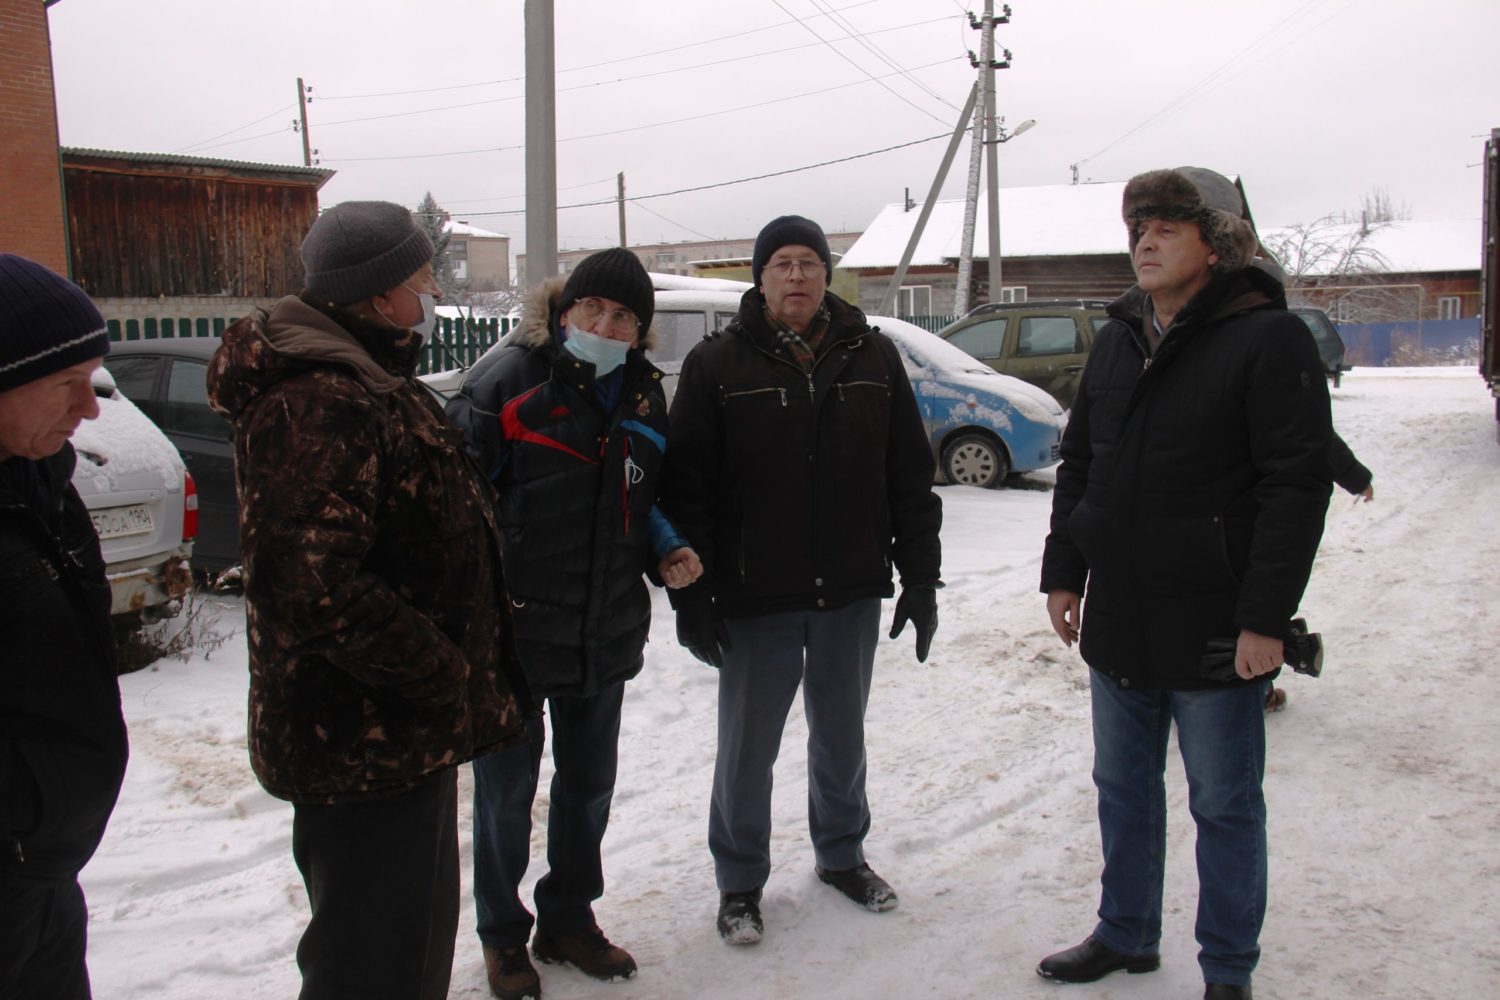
(382, 878)
(43, 934)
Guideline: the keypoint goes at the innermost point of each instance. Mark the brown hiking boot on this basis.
(588, 950)
(1275, 699)
(511, 974)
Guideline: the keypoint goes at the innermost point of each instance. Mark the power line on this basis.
(1197, 89)
(674, 222)
(863, 39)
(714, 64)
(622, 131)
(741, 180)
(853, 63)
(192, 145)
(595, 65)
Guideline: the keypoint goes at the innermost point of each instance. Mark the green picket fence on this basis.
(453, 344)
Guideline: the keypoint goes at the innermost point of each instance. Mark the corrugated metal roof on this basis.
(174, 159)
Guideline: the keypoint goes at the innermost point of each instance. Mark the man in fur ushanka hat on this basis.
(1189, 506)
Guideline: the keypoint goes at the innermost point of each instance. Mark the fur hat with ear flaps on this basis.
(1193, 194)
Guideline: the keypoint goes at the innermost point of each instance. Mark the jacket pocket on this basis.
(1185, 555)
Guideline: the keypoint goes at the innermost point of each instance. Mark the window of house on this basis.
(914, 300)
(1344, 311)
(1012, 293)
(1449, 307)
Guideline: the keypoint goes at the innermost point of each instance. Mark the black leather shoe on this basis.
(1224, 991)
(862, 886)
(1092, 960)
(739, 917)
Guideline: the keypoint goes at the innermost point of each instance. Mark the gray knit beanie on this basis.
(1193, 194)
(615, 274)
(47, 323)
(360, 249)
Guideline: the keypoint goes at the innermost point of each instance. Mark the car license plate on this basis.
(116, 522)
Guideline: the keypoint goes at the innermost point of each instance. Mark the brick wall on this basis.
(32, 222)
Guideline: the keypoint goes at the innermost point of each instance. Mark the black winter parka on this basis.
(1194, 483)
(575, 489)
(62, 736)
(799, 492)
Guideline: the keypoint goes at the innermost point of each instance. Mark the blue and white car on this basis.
(983, 425)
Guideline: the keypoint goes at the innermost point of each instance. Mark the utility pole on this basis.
(302, 99)
(888, 302)
(541, 144)
(984, 124)
(620, 201)
(992, 180)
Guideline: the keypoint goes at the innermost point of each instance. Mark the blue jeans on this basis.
(1222, 737)
(585, 755)
(831, 654)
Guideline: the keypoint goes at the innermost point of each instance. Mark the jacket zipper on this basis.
(757, 392)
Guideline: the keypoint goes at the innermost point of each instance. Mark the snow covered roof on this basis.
(464, 229)
(1412, 247)
(1047, 221)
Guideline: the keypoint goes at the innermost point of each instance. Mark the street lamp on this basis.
(997, 136)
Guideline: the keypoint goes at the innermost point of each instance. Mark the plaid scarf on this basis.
(803, 348)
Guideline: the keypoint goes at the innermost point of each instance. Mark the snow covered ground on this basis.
(1383, 787)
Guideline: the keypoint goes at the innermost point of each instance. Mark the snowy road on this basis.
(1383, 787)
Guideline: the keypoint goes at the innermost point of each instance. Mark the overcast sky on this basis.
(1314, 103)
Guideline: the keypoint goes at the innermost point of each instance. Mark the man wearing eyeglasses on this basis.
(800, 471)
(569, 422)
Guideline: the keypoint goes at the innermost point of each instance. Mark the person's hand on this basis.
(701, 630)
(1063, 608)
(917, 605)
(1256, 654)
(1367, 494)
(680, 567)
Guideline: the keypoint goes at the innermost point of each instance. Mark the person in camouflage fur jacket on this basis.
(380, 653)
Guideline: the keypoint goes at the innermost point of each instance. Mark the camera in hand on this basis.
(1301, 650)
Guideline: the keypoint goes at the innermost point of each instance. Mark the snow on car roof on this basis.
(123, 449)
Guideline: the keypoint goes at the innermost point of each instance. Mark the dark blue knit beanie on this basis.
(789, 231)
(47, 323)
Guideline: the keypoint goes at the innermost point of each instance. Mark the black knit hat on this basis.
(47, 323)
(359, 249)
(789, 231)
(1194, 194)
(616, 274)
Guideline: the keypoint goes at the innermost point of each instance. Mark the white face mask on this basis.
(429, 313)
(606, 355)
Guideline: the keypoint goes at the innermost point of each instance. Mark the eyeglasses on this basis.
(589, 311)
(784, 268)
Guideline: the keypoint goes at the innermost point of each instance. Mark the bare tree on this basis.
(1331, 263)
(1377, 207)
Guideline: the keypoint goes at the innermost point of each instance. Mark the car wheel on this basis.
(975, 460)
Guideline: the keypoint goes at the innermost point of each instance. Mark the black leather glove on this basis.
(917, 605)
(701, 631)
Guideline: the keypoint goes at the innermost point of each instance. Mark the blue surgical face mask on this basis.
(604, 354)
